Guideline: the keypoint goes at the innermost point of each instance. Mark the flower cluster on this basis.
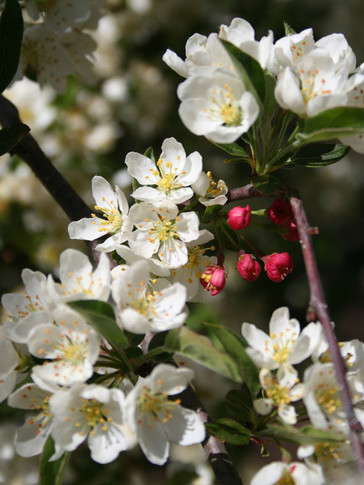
(276, 355)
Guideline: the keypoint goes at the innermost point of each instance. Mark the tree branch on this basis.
(318, 306)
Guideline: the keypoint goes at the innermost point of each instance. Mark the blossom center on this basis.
(168, 176)
(225, 107)
(114, 219)
(95, 413)
(277, 393)
(164, 229)
(156, 407)
(328, 399)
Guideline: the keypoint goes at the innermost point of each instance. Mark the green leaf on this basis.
(149, 153)
(266, 184)
(100, 316)
(249, 70)
(319, 155)
(197, 347)
(11, 136)
(11, 35)
(51, 472)
(229, 431)
(288, 30)
(209, 213)
(330, 124)
(240, 405)
(302, 436)
(228, 237)
(232, 149)
(234, 346)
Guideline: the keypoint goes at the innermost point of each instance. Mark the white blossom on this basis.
(294, 473)
(60, 15)
(115, 222)
(78, 280)
(162, 229)
(142, 308)
(9, 361)
(217, 105)
(27, 311)
(280, 390)
(69, 346)
(211, 192)
(167, 179)
(285, 344)
(90, 412)
(157, 420)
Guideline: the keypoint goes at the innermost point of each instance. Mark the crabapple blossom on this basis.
(27, 311)
(213, 279)
(31, 437)
(90, 412)
(285, 344)
(217, 105)
(157, 420)
(211, 192)
(190, 273)
(78, 280)
(162, 229)
(277, 266)
(239, 217)
(169, 178)
(141, 308)
(8, 364)
(69, 346)
(248, 267)
(294, 473)
(280, 390)
(114, 208)
(322, 399)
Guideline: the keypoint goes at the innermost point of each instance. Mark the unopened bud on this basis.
(277, 266)
(280, 211)
(239, 217)
(291, 233)
(213, 279)
(248, 267)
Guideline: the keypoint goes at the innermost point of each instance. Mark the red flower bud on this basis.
(239, 217)
(280, 211)
(248, 267)
(213, 279)
(277, 266)
(291, 233)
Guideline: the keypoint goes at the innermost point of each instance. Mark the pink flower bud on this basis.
(291, 233)
(239, 217)
(213, 279)
(248, 267)
(280, 211)
(277, 266)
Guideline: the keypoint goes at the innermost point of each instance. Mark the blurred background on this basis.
(133, 105)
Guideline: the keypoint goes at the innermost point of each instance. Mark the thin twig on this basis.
(318, 306)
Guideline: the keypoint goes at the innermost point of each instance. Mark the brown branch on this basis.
(318, 308)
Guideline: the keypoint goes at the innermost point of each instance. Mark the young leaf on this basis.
(304, 436)
(266, 184)
(51, 472)
(11, 35)
(288, 30)
(331, 124)
(100, 316)
(250, 71)
(232, 149)
(319, 155)
(229, 431)
(11, 136)
(240, 405)
(184, 341)
(234, 346)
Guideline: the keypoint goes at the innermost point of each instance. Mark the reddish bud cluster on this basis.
(239, 217)
(213, 279)
(280, 212)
